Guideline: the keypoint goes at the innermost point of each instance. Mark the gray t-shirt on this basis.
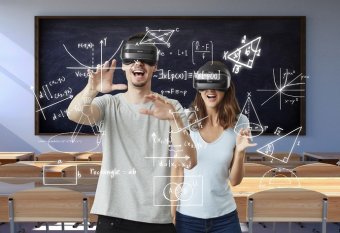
(131, 185)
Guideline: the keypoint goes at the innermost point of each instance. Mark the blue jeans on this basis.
(108, 224)
(228, 223)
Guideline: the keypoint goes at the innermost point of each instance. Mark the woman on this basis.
(220, 155)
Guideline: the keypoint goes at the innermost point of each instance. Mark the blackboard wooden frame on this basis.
(38, 51)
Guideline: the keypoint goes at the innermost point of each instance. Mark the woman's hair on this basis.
(227, 110)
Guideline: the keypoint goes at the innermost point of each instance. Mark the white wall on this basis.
(17, 58)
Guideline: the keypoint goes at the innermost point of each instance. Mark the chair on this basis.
(83, 156)
(286, 205)
(89, 156)
(284, 157)
(20, 170)
(96, 156)
(255, 169)
(317, 170)
(254, 156)
(56, 156)
(48, 204)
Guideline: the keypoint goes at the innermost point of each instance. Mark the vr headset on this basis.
(147, 54)
(214, 76)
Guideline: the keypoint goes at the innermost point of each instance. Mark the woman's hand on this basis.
(243, 140)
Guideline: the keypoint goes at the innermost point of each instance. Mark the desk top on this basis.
(322, 155)
(15, 155)
(329, 186)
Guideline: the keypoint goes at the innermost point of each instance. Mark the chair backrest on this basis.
(47, 204)
(55, 156)
(255, 169)
(20, 170)
(254, 156)
(287, 205)
(96, 156)
(4, 209)
(317, 170)
(284, 156)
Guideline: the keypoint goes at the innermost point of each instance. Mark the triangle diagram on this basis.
(255, 125)
(269, 149)
(245, 55)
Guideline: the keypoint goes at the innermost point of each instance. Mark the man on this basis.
(137, 126)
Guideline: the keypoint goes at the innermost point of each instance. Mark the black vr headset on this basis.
(145, 53)
(214, 76)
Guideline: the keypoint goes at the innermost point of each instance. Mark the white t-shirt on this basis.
(130, 184)
(214, 198)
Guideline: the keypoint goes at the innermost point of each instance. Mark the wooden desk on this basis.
(329, 186)
(325, 157)
(12, 157)
(54, 169)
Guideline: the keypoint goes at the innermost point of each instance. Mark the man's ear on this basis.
(155, 67)
(124, 67)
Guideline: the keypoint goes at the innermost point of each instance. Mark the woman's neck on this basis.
(212, 120)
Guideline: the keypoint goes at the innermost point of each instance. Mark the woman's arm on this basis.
(236, 169)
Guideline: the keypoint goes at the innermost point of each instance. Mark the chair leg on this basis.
(47, 227)
(38, 224)
(11, 215)
(85, 215)
(75, 225)
(263, 224)
(300, 224)
(62, 226)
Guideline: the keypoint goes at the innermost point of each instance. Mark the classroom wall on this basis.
(17, 60)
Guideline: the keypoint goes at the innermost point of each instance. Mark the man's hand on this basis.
(162, 109)
(101, 79)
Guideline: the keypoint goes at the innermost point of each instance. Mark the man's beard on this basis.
(142, 84)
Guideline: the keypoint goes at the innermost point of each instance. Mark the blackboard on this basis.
(266, 56)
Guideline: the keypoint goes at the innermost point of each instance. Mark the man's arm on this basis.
(185, 155)
(81, 110)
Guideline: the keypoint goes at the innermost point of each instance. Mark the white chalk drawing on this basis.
(255, 125)
(61, 181)
(159, 37)
(202, 51)
(289, 85)
(245, 55)
(46, 93)
(179, 129)
(269, 149)
(279, 178)
(83, 66)
(181, 193)
(64, 142)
